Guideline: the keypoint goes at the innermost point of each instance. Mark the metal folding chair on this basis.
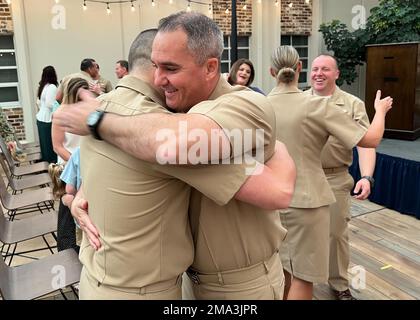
(13, 232)
(38, 278)
(18, 184)
(26, 202)
(27, 145)
(21, 170)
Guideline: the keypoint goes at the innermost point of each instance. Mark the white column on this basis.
(26, 92)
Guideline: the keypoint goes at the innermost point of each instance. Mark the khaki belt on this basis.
(234, 276)
(335, 170)
(151, 288)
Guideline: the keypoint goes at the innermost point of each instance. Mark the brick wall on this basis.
(15, 117)
(296, 20)
(6, 24)
(223, 19)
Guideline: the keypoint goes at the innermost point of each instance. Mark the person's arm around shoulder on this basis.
(273, 188)
(373, 136)
(148, 137)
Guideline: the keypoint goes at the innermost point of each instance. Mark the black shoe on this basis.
(344, 295)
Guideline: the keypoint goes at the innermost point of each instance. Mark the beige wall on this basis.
(91, 33)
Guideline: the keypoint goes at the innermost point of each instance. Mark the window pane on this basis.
(9, 94)
(225, 41)
(285, 40)
(243, 41)
(225, 67)
(225, 55)
(302, 77)
(8, 75)
(243, 53)
(304, 63)
(6, 42)
(300, 40)
(303, 52)
(7, 59)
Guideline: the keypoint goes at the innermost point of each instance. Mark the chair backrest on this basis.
(3, 227)
(40, 277)
(6, 153)
(5, 167)
(4, 194)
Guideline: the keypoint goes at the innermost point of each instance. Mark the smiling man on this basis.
(336, 160)
(236, 244)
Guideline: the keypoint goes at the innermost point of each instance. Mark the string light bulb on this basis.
(132, 7)
(153, 3)
(244, 7)
(276, 3)
(8, 2)
(291, 5)
(171, 1)
(307, 1)
(57, 1)
(189, 6)
(259, 1)
(209, 8)
(84, 5)
(227, 11)
(108, 9)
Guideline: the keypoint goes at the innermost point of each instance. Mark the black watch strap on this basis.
(370, 179)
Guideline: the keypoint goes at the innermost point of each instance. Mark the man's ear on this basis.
(212, 67)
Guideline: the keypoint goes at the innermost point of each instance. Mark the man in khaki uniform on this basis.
(88, 72)
(336, 160)
(305, 122)
(101, 85)
(140, 211)
(237, 244)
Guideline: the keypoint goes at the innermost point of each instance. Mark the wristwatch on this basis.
(370, 179)
(93, 121)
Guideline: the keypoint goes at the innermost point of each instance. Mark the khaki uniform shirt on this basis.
(105, 84)
(304, 123)
(335, 154)
(63, 87)
(141, 213)
(237, 234)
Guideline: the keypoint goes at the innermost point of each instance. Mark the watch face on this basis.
(93, 118)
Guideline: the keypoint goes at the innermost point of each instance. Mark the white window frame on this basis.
(228, 48)
(307, 70)
(9, 84)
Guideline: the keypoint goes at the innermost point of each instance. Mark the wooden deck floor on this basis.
(387, 245)
(384, 242)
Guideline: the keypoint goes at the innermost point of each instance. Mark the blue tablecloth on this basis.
(397, 183)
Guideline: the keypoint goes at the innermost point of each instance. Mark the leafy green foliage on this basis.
(392, 21)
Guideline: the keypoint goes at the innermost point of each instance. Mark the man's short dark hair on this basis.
(141, 49)
(123, 64)
(87, 63)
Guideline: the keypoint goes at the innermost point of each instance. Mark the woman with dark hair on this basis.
(46, 94)
(243, 73)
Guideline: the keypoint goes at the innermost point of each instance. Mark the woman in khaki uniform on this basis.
(304, 124)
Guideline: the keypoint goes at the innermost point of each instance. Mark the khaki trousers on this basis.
(263, 281)
(341, 183)
(89, 289)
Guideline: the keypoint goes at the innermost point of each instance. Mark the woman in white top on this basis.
(46, 93)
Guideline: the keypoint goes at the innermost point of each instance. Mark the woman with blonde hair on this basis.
(304, 123)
